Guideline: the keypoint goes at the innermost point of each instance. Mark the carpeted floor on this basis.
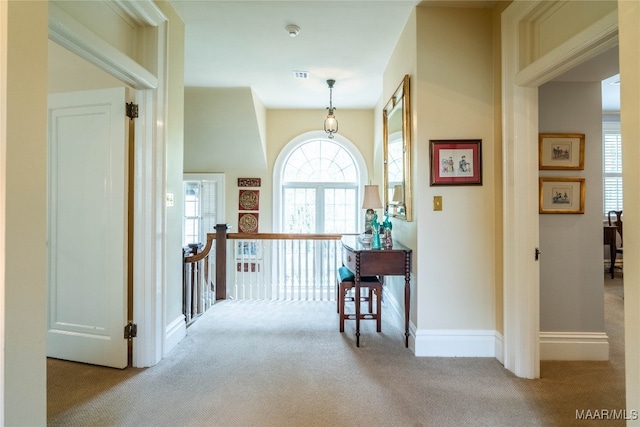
(286, 364)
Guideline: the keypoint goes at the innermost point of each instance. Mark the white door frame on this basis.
(521, 276)
(149, 173)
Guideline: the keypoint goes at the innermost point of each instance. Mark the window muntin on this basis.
(203, 206)
(320, 189)
(191, 213)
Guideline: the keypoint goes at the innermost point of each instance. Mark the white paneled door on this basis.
(87, 272)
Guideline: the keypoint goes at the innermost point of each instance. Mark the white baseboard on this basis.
(446, 343)
(574, 346)
(456, 343)
(499, 345)
(174, 333)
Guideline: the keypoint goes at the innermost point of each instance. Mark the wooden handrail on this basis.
(221, 236)
(282, 236)
(262, 236)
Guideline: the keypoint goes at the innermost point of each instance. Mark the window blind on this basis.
(612, 168)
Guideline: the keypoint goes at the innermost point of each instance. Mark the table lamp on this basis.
(371, 202)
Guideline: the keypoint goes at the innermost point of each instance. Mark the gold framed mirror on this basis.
(396, 134)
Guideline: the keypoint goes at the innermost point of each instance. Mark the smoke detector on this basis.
(293, 30)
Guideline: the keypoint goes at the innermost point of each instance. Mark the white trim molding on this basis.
(455, 343)
(499, 345)
(574, 346)
(150, 158)
(69, 33)
(175, 332)
(520, 81)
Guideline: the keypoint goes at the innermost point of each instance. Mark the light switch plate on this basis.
(437, 203)
(169, 199)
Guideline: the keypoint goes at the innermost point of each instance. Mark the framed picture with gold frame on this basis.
(561, 151)
(559, 195)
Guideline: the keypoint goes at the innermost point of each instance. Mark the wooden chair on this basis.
(344, 283)
(617, 221)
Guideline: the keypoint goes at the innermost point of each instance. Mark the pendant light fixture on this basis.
(330, 123)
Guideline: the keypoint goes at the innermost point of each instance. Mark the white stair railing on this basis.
(283, 267)
(261, 266)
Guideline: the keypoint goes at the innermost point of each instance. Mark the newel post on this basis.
(221, 261)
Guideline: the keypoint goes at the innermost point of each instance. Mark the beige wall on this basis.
(497, 160)
(453, 96)
(174, 164)
(355, 125)
(629, 30)
(25, 275)
(456, 262)
(106, 22)
(25, 240)
(202, 142)
(403, 61)
(553, 28)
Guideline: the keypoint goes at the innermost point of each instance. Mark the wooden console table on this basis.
(609, 238)
(364, 261)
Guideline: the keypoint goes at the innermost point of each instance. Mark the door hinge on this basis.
(132, 110)
(130, 331)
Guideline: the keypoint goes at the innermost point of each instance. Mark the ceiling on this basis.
(245, 43)
(602, 68)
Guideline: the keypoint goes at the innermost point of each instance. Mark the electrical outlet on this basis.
(437, 203)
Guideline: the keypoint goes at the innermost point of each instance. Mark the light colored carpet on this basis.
(286, 364)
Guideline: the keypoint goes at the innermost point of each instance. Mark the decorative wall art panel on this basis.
(249, 200)
(248, 222)
(249, 182)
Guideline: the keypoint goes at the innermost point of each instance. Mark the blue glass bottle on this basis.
(375, 233)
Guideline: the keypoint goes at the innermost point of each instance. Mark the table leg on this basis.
(612, 256)
(407, 306)
(357, 303)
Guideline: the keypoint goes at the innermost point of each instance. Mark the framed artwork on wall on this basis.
(248, 222)
(561, 151)
(249, 200)
(561, 195)
(249, 182)
(456, 162)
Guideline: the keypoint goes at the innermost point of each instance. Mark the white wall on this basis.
(571, 264)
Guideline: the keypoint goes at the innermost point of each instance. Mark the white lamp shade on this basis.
(397, 194)
(371, 197)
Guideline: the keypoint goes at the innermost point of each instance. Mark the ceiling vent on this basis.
(297, 74)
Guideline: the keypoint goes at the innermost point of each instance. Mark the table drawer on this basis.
(349, 260)
(376, 262)
(382, 263)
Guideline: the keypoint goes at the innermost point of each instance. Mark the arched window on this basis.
(317, 184)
